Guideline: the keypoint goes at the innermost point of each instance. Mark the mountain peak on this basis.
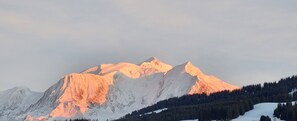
(22, 87)
(188, 63)
(155, 63)
(152, 59)
(191, 69)
(19, 88)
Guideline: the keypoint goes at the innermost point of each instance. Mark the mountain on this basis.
(109, 91)
(15, 101)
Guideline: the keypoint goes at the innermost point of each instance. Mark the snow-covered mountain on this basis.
(109, 91)
(15, 101)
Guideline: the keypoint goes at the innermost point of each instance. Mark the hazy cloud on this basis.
(241, 42)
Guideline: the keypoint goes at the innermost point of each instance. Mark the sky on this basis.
(241, 42)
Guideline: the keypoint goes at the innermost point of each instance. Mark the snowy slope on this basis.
(188, 79)
(127, 95)
(71, 96)
(156, 111)
(260, 109)
(109, 91)
(177, 82)
(265, 109)
(15, 101)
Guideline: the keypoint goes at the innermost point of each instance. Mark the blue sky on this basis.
(241, 42)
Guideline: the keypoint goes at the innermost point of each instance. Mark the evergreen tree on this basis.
(265, 118)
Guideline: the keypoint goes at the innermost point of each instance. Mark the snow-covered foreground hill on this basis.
(109, 91)
(260, 109)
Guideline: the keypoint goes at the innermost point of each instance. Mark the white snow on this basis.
(191, 120)
(156, 111)
(293, 91)
(260, 109)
